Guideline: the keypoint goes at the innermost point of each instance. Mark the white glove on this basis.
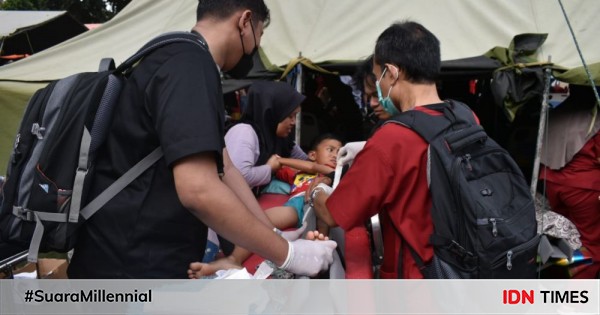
(327, 189)
(293, 235)
(349, 151)
(307, 258)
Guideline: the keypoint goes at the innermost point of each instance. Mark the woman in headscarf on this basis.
(265, 131)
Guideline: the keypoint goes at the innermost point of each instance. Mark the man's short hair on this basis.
(411, 47)
(222, 9)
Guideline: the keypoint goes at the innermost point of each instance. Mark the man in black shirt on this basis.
(158, 225)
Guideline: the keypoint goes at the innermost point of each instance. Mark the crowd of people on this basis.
(209, 177)
(158, 225)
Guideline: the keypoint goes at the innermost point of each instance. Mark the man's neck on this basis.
(419, 95)
(213, 31)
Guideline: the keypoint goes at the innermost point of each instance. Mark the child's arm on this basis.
(306, 166)
(322, 227)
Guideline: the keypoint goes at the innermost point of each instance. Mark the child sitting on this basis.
(299, 173)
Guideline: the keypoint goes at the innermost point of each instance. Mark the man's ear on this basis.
(312, 155)
(245, 18)
(395, 72)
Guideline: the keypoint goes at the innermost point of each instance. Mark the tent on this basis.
(28, 32)
(324, 32)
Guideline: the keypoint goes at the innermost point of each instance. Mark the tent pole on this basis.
(299, 88)
(541, 129)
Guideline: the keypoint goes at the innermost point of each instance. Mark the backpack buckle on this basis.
(24, 214)
(38, 131)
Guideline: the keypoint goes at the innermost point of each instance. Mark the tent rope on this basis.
(585, 66)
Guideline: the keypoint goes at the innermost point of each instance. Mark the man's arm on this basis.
(235, 181)
(202, 192)
(320, 206)
(306, 166)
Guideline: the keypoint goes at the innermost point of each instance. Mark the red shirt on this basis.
(299, 181)
(389, 177)
(583, 171)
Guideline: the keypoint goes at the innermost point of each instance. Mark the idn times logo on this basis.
(547, 296)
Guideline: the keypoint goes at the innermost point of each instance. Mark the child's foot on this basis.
(200, 270)
(316, 235)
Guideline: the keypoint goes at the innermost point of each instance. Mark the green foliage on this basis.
(21, 4)
(85, 11)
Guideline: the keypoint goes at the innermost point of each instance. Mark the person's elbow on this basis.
(191, 196)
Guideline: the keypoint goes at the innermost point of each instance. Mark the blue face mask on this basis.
(386, 102)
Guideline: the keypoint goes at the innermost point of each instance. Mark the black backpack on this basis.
(483, 213)
(54, 152)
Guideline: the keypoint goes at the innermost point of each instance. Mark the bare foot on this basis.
(316, 235)
(198, 270)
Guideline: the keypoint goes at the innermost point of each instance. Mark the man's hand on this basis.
(315, 182)
(308, 258)
(349, 151)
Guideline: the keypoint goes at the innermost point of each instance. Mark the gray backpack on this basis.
(54, 152)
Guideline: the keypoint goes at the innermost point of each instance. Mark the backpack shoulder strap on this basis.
(92, 141)
(455, 115)
(161, 41)
(94, 205)
(426, 125)
(121, 183)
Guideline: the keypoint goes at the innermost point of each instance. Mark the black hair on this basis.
(322, 137)
(222, 9)
(364, 72)
(411, 47)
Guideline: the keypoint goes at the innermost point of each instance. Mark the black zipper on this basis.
(493, 221)
(509, 255)
(496, 221)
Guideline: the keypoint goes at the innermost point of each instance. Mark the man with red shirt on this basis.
(391, 168)
(571, 170)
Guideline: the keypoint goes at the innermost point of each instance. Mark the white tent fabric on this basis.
(331, 30)
(321, 30)
(347, 30)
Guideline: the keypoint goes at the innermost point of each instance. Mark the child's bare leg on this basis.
(282, 217)
(234, 261)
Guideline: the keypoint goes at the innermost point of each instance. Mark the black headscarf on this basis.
(269, 103)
